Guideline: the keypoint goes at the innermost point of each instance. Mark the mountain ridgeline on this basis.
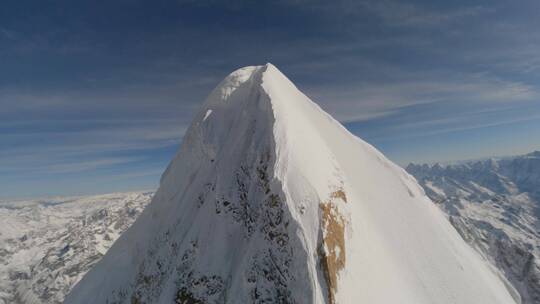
(271, 200)
(495, 206)
(47, 245)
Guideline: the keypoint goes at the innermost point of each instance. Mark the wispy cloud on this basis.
(371, 100)
(399, 13)
(59, 166)
(97, 139)
(6, 33)
(80, 166)
(454, 125)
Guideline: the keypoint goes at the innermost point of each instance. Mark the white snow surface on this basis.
(238, 217)
(495, 205)
(47, 245)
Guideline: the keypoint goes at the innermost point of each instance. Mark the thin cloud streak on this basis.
(395, 13)
(470, 126)
(373, 100)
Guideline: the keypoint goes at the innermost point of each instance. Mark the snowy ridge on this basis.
(270, 200)
(495, 206)
(47, 245)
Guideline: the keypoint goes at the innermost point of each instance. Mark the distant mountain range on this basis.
(495, 206)
(46, 246)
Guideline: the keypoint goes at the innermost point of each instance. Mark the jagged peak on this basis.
(250, 76)
(297, 208)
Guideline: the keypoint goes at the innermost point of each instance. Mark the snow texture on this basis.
(495, 206)
(47, 245)
(271, 200)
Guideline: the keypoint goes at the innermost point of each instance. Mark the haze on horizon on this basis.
(95, 97)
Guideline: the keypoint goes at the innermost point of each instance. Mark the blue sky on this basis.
(95, 95)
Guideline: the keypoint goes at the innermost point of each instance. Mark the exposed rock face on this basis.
(46, 246)
(270, 200)
(495, 206)
(332, 251)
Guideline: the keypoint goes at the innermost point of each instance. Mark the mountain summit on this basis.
(271, 200)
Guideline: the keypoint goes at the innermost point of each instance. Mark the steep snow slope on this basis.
(270, 200)
(46, 246)
(495, 205)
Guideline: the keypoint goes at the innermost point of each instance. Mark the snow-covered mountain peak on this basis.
(232, 82)
(250, 76)
(262, 95)
(271, 200)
